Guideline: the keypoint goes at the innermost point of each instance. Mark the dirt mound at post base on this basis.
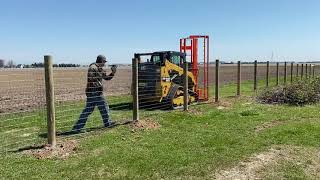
(145, 124)
(61, 151)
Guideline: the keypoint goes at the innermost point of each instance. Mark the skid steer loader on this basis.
(160, 80)
(160, 77)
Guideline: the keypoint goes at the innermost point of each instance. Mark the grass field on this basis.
(210, 141)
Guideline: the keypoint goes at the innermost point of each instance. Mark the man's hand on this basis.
(114, 69)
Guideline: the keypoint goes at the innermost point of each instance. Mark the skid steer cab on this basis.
(160, 80)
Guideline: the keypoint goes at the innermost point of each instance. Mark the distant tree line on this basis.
(39, 65)
(1, 63)
(11, 64)
(66, 65)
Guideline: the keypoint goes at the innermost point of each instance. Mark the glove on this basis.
(114, 69)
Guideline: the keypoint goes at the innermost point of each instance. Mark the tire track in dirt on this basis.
(266, 164)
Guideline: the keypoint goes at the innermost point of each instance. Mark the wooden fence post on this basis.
(277, 74)
(285, 73)
(310, 70)
(255, 75)
(297, 75)
(306, 71)
(302, 71)
(217, 81)
(291, 73)
(313, 70)
(267, 75)
(135, 91)
(239, 79)
(185, 79)
(50, 100)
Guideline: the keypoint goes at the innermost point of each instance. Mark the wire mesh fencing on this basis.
(159, 88)
(23, 106)
(81, 108)
(268, 74)
(23, 112)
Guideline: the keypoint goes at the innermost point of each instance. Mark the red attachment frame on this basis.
(192, 51)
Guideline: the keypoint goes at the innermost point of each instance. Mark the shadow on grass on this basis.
(148, 106)
(121, 106)
(66, 134)
(32, 147)
(87, 130)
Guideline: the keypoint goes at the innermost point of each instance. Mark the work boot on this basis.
(110, 124)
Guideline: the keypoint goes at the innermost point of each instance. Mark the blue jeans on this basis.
(93, 100)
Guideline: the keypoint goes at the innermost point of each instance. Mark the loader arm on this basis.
(171, 66)
(166, 81)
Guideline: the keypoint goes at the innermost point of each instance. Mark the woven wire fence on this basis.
(74, 104)
(23, 115)
(22, 108)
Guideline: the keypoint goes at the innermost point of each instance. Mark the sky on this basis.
(76, 31)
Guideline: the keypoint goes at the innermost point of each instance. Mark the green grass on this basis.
(186, 145)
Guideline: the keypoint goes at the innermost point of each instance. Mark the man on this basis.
(94, 93)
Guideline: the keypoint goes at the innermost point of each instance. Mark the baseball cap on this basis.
(101, 59)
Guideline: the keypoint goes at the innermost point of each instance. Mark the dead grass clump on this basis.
(270, 163)
(196, 112)
(223, 104)
(268, 125)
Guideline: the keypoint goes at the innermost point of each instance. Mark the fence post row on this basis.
(135, 89)
(239, 79)
(185, 79)
(277, 74)
(255, 75)
(267, 75)
(49, 83)
(217, 81)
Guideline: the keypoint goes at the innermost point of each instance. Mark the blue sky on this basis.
(77, 30)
